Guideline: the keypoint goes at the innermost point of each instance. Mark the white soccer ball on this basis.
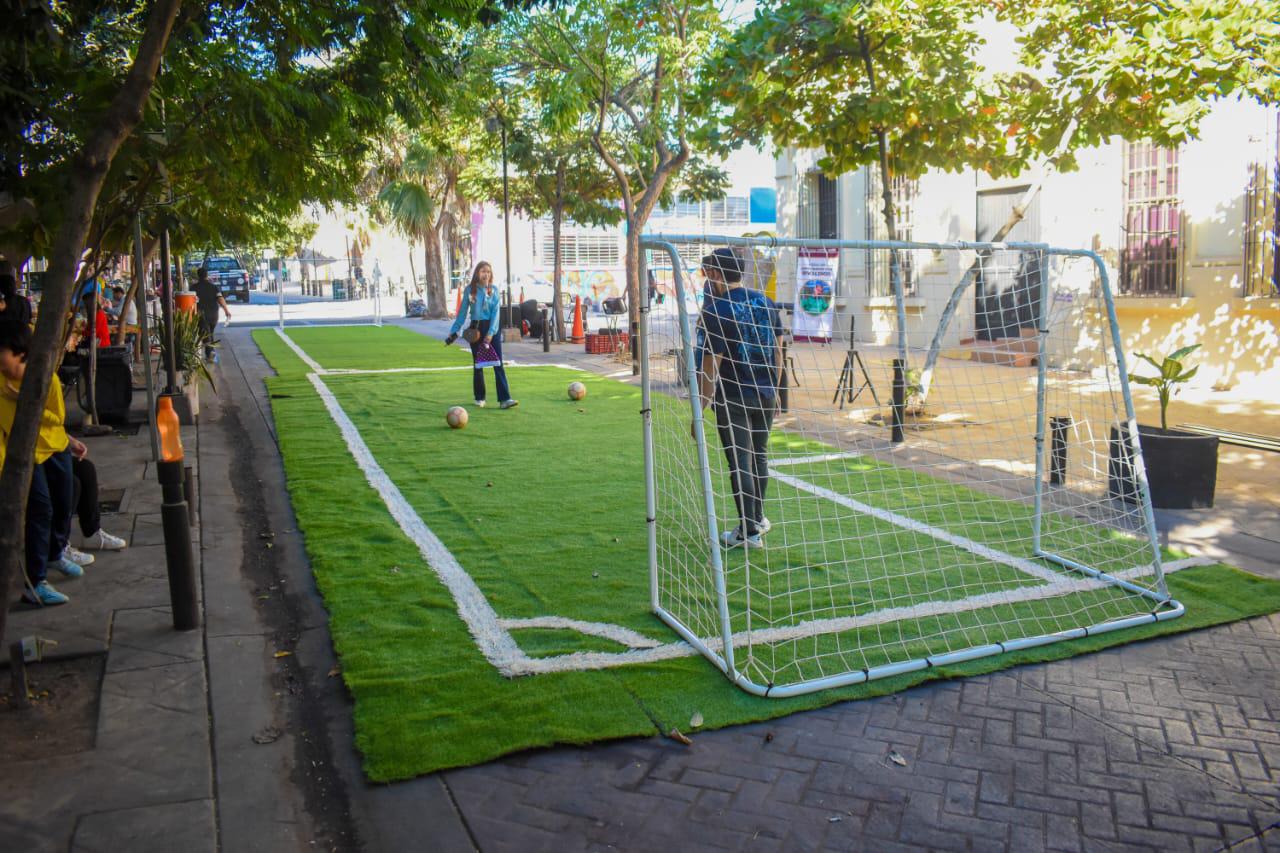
(577, 390)
(456, 417)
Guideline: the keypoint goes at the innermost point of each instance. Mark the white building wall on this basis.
(1084, 209)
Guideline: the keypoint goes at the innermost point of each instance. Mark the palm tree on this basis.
(421, 198)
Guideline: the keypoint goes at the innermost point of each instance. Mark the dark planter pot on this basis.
(1182, 467)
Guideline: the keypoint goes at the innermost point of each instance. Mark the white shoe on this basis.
(734, 539)
(75, 555)
(104, 541)
(479, 404)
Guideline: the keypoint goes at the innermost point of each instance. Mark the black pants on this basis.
(86, 496)
(48, 514)
(499, 372)
(744, 434)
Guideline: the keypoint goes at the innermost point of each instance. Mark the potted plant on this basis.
(190, 344)
(1181, 467)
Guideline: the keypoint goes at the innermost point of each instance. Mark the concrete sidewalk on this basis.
(239, 736)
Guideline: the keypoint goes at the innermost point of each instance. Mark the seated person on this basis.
(102, 328)
(12, 303)
(89, 511)
(49, 503)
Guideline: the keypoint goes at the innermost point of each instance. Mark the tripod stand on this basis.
(845, 392)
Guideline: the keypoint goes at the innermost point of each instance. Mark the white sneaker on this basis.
(734, 539)
(104, 541)
(479, 404)
(75, 555)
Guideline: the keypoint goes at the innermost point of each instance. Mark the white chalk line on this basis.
(357, 371)
(301, 353)
(493, 637)
(1023, 565)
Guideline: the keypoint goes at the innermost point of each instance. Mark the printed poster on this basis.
(815, 304)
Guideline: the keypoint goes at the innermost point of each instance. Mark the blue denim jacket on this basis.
(484, 308)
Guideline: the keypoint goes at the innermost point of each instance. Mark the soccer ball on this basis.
(456, 417)
(577, 390)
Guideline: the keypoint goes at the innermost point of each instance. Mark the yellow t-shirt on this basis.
(53, 435)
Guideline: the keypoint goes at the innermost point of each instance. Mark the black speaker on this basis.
(509, 316)
(114, 391)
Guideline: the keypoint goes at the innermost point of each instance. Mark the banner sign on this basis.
(815, 304)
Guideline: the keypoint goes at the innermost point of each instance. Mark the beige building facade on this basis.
(1188, 237)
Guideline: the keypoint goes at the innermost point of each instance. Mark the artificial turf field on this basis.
(543, 508)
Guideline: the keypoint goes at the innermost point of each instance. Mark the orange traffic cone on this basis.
(578, 336)
(457, 308)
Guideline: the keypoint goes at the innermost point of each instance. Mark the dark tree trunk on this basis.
(88, 173)
(437, 298)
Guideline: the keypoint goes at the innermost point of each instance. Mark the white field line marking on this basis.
(1022, 565)
(497, 645)
(811, 460)
(816, 627)
(301, 353)
(357, 371)
(617, 633)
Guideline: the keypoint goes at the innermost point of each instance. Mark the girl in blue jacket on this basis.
(480, 303)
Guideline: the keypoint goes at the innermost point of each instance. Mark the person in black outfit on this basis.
(209, 300)
(12, 303)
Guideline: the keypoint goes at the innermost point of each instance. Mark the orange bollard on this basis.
(578, 336)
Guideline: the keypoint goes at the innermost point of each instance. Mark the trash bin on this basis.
(339, 289)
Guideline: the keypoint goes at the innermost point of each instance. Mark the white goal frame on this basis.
(720, 650)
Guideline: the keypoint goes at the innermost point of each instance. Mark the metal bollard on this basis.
(177, 548)
(1058, 450)
(898, 434)
(189, 492)
(546, 330)
(18, 675)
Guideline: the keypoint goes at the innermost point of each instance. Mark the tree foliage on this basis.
(633, 66)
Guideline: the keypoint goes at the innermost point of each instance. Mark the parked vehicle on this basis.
(226, 272)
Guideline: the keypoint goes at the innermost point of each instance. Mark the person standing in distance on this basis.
(739, 357)
(480, 302)
(209, 300)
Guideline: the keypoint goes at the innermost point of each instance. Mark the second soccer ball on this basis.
(456, 417)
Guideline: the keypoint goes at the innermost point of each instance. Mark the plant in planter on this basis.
(190, 344)
(1181, 467)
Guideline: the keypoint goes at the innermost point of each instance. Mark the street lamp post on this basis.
(497, 123)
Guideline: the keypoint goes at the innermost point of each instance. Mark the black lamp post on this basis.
(496, 123)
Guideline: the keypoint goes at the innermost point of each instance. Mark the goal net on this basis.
(945, 467)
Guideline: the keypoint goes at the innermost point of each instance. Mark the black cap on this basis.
(727, 262)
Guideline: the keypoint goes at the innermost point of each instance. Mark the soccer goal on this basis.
(952, 464)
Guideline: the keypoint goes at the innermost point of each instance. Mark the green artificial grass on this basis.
(544, 507)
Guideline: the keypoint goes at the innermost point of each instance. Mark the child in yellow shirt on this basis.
(49, 504)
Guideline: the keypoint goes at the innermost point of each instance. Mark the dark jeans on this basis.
(48, 514)
(499, 372)
(86, 496)
(744, 434)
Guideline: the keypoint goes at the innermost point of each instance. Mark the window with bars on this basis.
(734, 210)
(1151, 239)
(680, 210)
(1262, 226)
(817, 211)
(905, 192)
(582, 250)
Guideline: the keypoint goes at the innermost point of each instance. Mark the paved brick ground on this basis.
(1167, 745)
